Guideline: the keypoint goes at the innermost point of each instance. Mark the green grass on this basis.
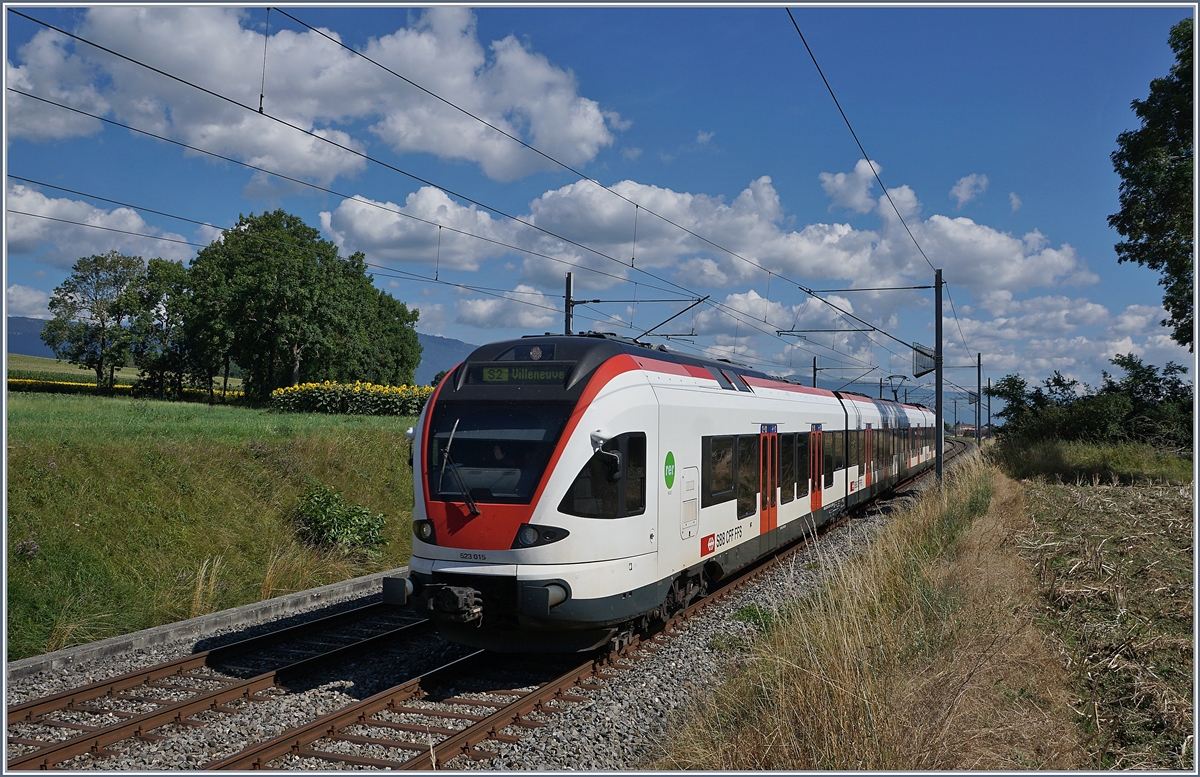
(1080, 461)
(124, 514)
(40, 368)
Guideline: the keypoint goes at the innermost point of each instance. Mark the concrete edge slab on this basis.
(246, 615)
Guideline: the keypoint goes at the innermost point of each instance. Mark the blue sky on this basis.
(991, 128)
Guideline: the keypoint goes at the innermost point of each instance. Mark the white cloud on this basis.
(25, 301)
(61, 244)
(702, 137)
(1014, 201)
(851, 190)
(631, 154)
(968, 188)
(378, 230)
(523, 308)
(313, 83)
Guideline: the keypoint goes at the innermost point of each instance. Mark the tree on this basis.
(1155, 166)
(278, 300)
(91, 309)
(159, 305)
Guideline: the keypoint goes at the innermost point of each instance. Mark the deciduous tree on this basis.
(91, 310)
(1157, 207)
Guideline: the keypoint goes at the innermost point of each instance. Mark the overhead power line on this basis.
(726, 309)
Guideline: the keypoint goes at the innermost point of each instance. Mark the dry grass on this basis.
(919, 654)
(293, 566)
(1115, 572)
(204, 589)
(74, 625)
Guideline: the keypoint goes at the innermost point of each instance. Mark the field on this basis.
(124, 514)
(39, 368)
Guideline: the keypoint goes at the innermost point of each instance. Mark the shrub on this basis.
(324, 518)
(119, 390)
(356, 398)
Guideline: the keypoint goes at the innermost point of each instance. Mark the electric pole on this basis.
(570, 303)
(940, 432)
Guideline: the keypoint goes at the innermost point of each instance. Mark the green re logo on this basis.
(669, 470)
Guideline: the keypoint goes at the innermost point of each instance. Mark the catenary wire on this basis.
(721, 306)
(446, 190)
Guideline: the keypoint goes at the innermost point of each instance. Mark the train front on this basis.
(531, 527)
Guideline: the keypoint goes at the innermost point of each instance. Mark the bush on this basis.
(324, 518)
(119, 390)
(356, 398)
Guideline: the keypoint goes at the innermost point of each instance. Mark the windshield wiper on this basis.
(462, 486)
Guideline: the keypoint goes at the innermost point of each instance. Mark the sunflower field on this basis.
(355, 398)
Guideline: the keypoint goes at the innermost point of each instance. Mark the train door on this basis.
(768, 462)
(689, 513)
(816, 458)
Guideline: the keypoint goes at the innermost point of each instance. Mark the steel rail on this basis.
(95, 740)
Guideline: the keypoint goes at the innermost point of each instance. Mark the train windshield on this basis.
(495, 451)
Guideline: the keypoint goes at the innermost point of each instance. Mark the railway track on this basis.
(48, 731)
(457, 710)
(460, 710)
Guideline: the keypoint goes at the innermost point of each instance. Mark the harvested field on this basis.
(1114, 567)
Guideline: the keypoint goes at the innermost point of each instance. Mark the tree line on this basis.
(1146, 405)
(269, 300)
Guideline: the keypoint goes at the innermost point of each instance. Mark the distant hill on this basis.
(437, 353)
(25, 337)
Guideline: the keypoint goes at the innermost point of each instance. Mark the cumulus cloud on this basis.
(1014, 201)
(523, 308)
(968, 188)
(60, 244)
(314, 84)
(25, 301)
(851, 190)
(410, 234)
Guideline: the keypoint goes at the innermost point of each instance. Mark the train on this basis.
(572, 490)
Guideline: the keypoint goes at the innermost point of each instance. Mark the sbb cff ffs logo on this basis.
(708, 544)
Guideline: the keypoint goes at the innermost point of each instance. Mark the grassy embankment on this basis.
(943, 648)
(124, 514)
(40, 368)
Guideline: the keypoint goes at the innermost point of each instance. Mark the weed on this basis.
(324, 518)
(758, 617)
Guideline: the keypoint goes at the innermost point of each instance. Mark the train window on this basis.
(596, 494)
(787, 467)
(830, 446)
(635, 475)
(747, 475)
(838, 439)
(717, 474)
(496, 450)
(802, 469)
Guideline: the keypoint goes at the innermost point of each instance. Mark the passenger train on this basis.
(570, 490)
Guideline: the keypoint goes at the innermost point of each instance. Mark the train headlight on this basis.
(529, 536)
(423, 530)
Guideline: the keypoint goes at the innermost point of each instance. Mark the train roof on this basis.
(587, 351)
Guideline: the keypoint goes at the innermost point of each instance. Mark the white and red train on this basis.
(570, 489)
